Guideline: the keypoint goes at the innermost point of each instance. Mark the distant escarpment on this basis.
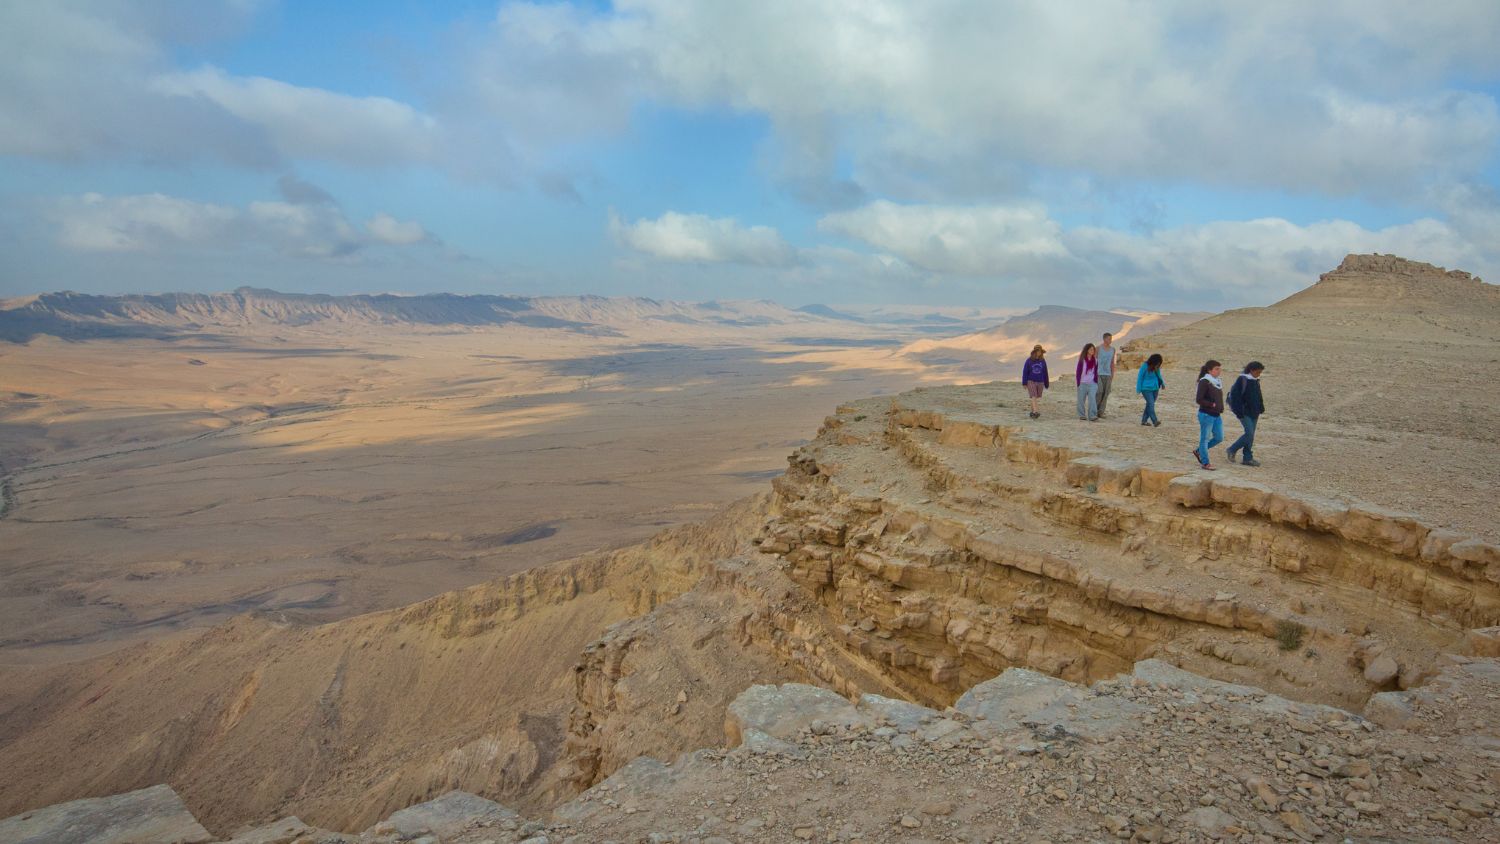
(77, 316)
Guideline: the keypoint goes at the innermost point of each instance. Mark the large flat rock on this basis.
(154, 815)
(448, 815)
(1000, 705)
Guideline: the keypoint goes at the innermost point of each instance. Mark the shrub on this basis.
(1289, 635)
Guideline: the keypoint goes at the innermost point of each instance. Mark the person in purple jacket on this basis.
(1034, 378)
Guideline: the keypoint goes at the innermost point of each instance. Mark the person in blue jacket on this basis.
(1034, 378)
(1246, 404)
(1148, 382)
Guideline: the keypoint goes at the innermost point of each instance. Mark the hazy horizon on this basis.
(1170, 156)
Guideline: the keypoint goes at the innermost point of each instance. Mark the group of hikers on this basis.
(1094, 377)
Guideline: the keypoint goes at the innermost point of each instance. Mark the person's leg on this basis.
(1093, 401)
(1218, 432)
(1249, 438)
(1104, 383)
(1146, 413)
(1239, 443)
(1205, 424)
(1080, 401)
(1150, 414)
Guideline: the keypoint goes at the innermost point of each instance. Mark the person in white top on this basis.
(1106, 370)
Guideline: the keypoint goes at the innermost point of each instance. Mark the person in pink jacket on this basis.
(1087, 378)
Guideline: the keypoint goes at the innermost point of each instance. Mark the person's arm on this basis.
(1140, 379)
(1078, 373)
(1204, 402)
(1025, 371)
(1046, 379)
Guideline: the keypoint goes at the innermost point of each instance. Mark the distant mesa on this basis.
(79, 316)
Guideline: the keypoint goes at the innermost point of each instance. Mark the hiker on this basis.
(1148, 382)
(1034, 378)
(1210, 407)
(1246, 404)
(1087, 378)
(1106, 369)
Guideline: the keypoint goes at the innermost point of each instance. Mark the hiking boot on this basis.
(1230, 455)
(1250, 461)
(1156, 423)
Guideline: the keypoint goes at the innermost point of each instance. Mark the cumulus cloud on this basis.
(953, 239)
(698, 238)
(1229, 261)
(1337, 96)
(159, 223)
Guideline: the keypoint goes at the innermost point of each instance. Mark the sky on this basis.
(1171, 155)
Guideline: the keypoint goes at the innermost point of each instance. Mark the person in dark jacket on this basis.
(1210, 409)
(1034, 378)
(1148, 382)
(1246, 404)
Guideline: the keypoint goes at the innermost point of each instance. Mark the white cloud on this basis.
(158, 223)
(1226, 261)
(96, 223)
(1344, 96)
(985, 240)
(697, 238)
(387, 229)
(311, 123)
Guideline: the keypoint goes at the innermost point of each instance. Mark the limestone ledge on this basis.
(1397, 533)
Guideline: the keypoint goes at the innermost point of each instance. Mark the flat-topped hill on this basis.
(1388, 282)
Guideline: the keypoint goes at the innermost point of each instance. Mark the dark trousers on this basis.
(1247, 439)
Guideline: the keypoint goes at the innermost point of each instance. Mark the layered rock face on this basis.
(944, 547)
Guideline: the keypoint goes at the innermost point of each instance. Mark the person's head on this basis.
(1037, 352)
(1089, 352)
(1212, 367)
(1153, 363)
(1255, 368)
(1108, 338)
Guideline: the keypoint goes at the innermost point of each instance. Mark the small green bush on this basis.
(859, 418)
(1289, 635)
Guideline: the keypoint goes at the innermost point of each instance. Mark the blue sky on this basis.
(1162, 155)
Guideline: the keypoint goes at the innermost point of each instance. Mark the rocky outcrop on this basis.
(154, 814)
(1158, 754)
(946, 548)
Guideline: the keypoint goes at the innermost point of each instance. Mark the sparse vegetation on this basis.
(1289, 635)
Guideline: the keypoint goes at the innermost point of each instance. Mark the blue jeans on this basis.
(1246, 440)
(1208, 424)
(1150, 414)
(1088, 394)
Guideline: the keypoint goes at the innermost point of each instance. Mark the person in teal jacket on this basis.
(1148, 382)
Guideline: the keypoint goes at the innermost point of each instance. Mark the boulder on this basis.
(287, 831)
(906, 717)
(1382, 670)
(782, 712)
(999, 705)
(154, 814)
(447, 815)
(1484, 641)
